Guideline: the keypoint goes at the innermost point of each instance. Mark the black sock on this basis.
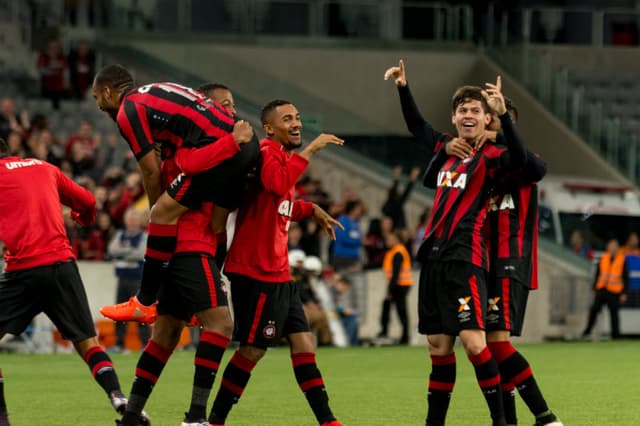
(441, 382)
(509, 402)
(310, 381)
(488, 377)
(160, 247)
(517, 371)
(148, 370)
(234, 380)
(3, 404)
(207, 360)
(102, 369)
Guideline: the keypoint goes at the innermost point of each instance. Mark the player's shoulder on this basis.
(493, 150)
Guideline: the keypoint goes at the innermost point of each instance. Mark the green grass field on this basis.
(584, 383)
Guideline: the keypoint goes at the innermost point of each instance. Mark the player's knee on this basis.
(251, 352)
(217, 320)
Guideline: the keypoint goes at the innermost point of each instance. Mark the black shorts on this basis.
(56, 290)
(265, 312)
(224, 184)
(452, 297)
(507, 303)
(194, 284)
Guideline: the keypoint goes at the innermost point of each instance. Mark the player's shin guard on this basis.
(441, 382)
(148, 370)
(516, 370)
(488, 377)
(160, 247)
(234, 380)
(207, 360)
(102, 369)
(310, 381)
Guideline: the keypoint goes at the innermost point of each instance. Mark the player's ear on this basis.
(268, 129)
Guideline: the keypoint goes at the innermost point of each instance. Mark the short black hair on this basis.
(4, 148)
(351, 205)
(511, 107)
(115, 76)
(468, 93)
(209, 87)
(270, 107)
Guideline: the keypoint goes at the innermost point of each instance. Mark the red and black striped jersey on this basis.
(513, 224)
(455, 230)
(166, 116)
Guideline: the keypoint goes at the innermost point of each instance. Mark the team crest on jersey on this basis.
(498, 202)
(452, 179)
(493, 304)
(269, 330)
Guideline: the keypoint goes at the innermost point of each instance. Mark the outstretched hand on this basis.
(493, 95)
(326, 221)
(397, 73)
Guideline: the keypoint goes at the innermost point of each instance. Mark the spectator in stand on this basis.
(341, 287)
(10, 121)
(295, 234)
(310, 240)
(394, 206)
(83, 136)
(16, 147)
(579, 245)
(101, 195)
(94, 246)
(73, 234)
(53, 68)
(346, 253)
(303, 270)
(374, 243)
(82, 67)
(42, 145)
(126, 249)
(420, 228)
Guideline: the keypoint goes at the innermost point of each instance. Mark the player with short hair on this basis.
(266, 303)
(453, 288)
(41, 274)
(212, 151)
(513, 241)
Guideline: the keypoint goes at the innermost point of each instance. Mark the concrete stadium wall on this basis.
(343, 89)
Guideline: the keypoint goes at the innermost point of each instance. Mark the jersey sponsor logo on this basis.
(499, 202)
(493, 304)
(452, 179)
(286, 209)
(19, 164)
(269, 330)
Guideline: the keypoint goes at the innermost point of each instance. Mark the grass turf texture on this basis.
(584, 383)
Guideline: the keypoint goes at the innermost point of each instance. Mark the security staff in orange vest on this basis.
(611, 283)
(397, 268)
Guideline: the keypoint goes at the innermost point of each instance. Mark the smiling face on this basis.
(470, 119)
(283, 125)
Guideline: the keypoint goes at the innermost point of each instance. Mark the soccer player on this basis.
(266, 303)
(513, 241)
(422, 130)
(453, 288)
(211, 149)
(41, 273)
(193, 287)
